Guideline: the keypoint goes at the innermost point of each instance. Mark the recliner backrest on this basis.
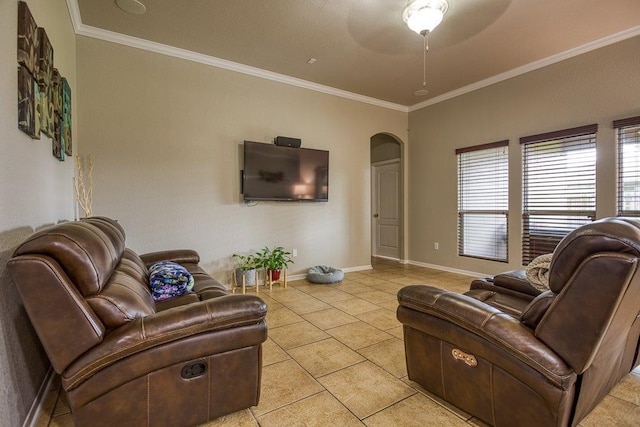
(581, 315)
(593, 274)
(76, 286)
(85, 252)
(593, 306)
(126, 295)
(617, 235)
(108, 226)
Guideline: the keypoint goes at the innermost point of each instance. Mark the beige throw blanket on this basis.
(538, 272)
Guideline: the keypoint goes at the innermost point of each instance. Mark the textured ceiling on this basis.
(364, 47)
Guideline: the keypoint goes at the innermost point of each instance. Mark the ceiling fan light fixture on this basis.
(422, 16)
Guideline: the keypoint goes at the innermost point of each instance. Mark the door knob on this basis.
(376, 215)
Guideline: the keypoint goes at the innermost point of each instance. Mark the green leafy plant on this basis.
(246, 272)
(274, 259)
(247, 262)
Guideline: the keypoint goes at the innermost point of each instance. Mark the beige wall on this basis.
(596, 87)
(167, 134)
(35, 189)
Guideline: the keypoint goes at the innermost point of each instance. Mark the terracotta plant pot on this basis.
(275, 274)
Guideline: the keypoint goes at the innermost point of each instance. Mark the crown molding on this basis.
(74, 14)
(588, 47)
(138, 43)
(110, 36)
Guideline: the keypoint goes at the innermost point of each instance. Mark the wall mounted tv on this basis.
(278, 173)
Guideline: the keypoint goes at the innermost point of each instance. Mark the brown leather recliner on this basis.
(509, 291)
(552, 365)
(124, 359)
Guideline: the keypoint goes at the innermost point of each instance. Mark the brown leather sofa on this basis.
(555, 361)
(124, 359)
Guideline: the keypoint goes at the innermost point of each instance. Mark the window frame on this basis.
(623, 127)
(463, 211)
(561, 220)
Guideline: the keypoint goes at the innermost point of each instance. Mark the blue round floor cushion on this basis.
(323, 274)
(168, 279)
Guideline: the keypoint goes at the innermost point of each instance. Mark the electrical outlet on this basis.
(294, 253)
(436, 245)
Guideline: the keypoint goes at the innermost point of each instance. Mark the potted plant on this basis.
(246, 268)
(274, 260)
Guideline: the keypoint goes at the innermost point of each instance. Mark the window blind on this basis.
(628, 137)
(559, 187)
(483, 201)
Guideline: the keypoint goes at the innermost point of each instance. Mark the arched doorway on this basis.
(387, 197)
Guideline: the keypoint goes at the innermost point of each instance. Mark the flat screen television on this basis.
(278, 173)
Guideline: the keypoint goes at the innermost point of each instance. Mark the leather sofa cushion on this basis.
(181, 300)
(507, 303)
(86, 252)
(131, 268)
(122, 300)
(111, 228)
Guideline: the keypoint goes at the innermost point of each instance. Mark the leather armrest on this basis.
(517, 281)
(174, 324)
(534, 312)
(488, 323)
(176, 255)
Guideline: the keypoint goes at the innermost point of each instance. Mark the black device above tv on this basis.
(287, 174)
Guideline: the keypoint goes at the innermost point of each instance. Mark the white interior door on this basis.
(386, 209)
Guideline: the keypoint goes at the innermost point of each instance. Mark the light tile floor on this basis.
(335, 357)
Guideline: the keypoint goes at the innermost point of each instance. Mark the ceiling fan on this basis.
(422, 16)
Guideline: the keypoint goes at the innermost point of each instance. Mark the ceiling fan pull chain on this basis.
(424, 60)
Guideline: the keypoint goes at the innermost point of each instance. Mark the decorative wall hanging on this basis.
(56, 101)
(26, 103)
(36, 100)
(65, 127)
(56, 141)
(44, 76)
(27, 41)
(56, 149)
(44, 96)
(56, 89)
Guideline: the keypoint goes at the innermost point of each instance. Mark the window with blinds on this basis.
(559, 187)
(483, 201)
(628, 135)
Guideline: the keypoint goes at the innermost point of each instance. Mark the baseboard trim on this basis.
(449, 269)
(36, 407)
(346, 270)
(359, 268)
(388, 258)
(302, 276)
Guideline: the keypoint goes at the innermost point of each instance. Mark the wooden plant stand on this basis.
(282, 281)
(235, 285)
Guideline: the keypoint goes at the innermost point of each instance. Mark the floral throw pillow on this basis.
(168, 279)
